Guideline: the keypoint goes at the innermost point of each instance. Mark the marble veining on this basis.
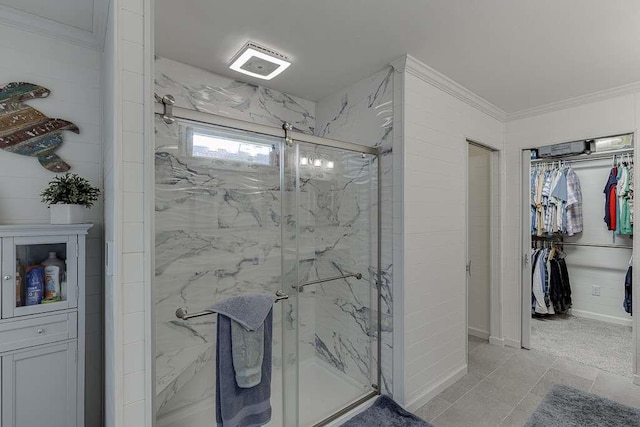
(363, 114)
(203, 91)
(226, 228)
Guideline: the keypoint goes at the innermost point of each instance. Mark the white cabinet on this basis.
(42, 334)
(39, 386)
(21, 253)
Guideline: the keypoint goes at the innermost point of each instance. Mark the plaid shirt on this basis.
(574, 203)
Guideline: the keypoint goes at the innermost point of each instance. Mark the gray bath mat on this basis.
(567, 407)
(385, 412)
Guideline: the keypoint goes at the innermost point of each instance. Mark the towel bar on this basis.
(182, 313)
(329, 279)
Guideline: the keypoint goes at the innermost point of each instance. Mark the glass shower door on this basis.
(218, 233)
(239, 213)
(333, 224)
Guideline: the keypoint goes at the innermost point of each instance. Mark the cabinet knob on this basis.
(7, 277)
(40, 331)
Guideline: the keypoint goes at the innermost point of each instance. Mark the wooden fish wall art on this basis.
(25, 130)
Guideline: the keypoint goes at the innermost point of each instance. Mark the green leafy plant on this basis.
(70, 189)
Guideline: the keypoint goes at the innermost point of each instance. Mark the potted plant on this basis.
(68, 196)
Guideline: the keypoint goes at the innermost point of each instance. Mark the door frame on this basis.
(525, 294)
(525, 247)
(495, 189)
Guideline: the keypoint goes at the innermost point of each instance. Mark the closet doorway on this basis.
(480, 194)
(577, 227)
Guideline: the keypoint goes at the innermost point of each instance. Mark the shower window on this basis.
(202, 142)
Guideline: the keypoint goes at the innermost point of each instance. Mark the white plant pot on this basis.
(67, 214)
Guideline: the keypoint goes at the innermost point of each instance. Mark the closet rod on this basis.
(594, 245)
(582, 158)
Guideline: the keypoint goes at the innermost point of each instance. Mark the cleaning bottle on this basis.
(53, 271)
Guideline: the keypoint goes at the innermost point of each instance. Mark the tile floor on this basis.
(505, 385)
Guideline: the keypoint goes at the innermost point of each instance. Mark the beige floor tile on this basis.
(618, 388)
(554, 376)
(504, 388)
(536, 357)
(575, 368)
(529, 403)
(431, 410)
(486, 358)
(522, 412)
(475, 342)
(454, 417)
(474, 410)
(460, 387)
(515, 419)
(523, 367)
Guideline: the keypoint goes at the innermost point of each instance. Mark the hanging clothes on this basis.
(550, 287)
(625, 200)
(556, 201)
(611, 200)
(628, 289)
(574, 204)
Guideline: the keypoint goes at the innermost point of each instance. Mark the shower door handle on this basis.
(300, 286)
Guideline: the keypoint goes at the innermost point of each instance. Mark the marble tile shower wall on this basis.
(217, 236)
(336, 214)
(363, 114)
(203, 214)
(204, 91)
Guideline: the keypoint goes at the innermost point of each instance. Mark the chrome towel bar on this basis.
(182, 313)
(329, 279)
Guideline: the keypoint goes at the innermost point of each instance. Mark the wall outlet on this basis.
(595, 290)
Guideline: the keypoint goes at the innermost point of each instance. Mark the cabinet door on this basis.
(39, 387)
(19, 256)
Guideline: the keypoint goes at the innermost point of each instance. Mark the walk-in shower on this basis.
(242, 208)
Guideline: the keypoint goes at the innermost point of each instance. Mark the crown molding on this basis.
(409, 64)
(93, 39)
(575, 101)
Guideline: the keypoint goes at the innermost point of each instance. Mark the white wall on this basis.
(72, 73)
(435, 132)
(599, 118)
(479, 244)
(603, 267)
(128, 355)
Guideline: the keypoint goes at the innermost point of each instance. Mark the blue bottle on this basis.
(35, 285)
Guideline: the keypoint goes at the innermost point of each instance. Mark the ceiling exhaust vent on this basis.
(259, 62)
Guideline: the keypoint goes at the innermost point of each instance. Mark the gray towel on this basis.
(247, 314)
(237, 406)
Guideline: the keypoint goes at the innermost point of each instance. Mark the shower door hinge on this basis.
(468, 268)
(168, 101)
(526, 259)
(287, 138)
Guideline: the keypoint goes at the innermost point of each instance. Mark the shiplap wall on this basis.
(128, 382)
(73, 74)
(599, 118)
(435, 132)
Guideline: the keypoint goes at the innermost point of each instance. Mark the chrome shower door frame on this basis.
(294, 136)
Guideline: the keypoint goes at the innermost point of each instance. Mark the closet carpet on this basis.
(590, 342)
